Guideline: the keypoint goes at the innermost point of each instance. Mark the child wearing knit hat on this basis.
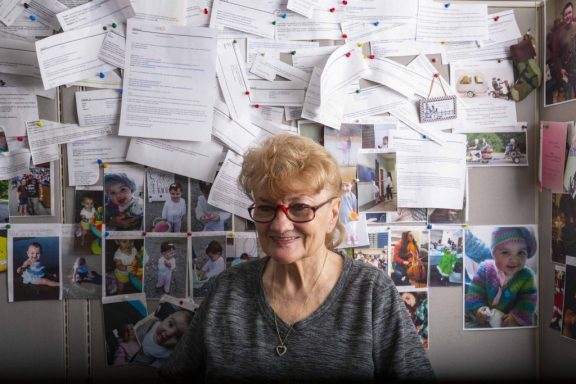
(503, 290)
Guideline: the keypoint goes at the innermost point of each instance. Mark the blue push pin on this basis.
(120, 91)
(424, 137)
(284, 15)
(33, 17)
(106, 234)
(429, 226)
(101, 75)
(447, 5)
(376, 23)
(100, 161)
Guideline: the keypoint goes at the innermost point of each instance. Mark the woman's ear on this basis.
(334, 213)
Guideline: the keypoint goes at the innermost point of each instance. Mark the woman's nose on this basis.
(281, 220)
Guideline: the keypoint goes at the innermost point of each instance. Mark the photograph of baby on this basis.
(378, 135)
(376, 182)
(120, 316)
(500, 285)
(89, 217)
(124, 265)
(124, 197)
(165, 270)
(446, 257)
(30, 194)
(208, 261)
(81, 268)
(241, 248)
(36, 268)
(166, 202)
(159, 333)
(344, 143)
(409, 259)
(206, 217)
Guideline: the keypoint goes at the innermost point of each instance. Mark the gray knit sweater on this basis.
(361, 333)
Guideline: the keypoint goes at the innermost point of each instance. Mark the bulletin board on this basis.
(63, 339)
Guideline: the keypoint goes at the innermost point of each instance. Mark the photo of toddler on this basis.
(124, 209)
(175, 207)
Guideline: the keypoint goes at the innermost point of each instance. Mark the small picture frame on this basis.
(437, 108)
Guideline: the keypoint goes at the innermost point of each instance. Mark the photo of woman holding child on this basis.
(500, 286)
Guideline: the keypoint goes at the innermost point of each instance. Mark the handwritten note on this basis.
(552, 155)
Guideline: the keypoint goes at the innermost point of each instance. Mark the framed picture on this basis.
(437, 108)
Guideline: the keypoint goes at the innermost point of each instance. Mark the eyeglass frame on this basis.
(285, 209)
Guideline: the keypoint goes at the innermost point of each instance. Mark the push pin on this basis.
(293, 53)
(106, 234)
(429, 226)
(7, 226)
(99, 161)
(205, 10)
(181, 302)
(357, 91)
(436, 75)
(247, 93)
(114, 25)
(424, 137)
(33, 17)
(496, 18)
(189, 234)
(20, 138)
(144, 233)
(348, 54)
(360, 45)
(464, 225)
(274, 22)
(344, 2)
(344, 36)
(2, 83)
(256, 105)
(433, 59)
(101, 75)
(120, 90)
(447, 5)
(442, 42)
(371, 57)
(376, 23)
(105, 165)
(40, 123)
(284, 15)
(332, 10)
(26, 5)
(105, 28)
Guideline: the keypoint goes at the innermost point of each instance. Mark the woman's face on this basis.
(409, 299)
(287, 242)
(410, 237)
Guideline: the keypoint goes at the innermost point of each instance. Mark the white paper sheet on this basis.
(253, 17)
(502, 27)
(282, 93)
(177, 156)
(113, 50)
(233, 79)
(96, 12)
(168, 12)
(27, 82)
(10, 10)
(371, 101)
(381, 48)
(83, 156)
(111, 80)
(457, 22)
(19, 58)
(298, 27)
(256, 46)
(45, 12)
(308, 58)
(71, 56)
(169, 82)
(486, 109)
(430, 175)
(269, 68)
(14, 163)
(198, 13)
(470, 51)
(328, 111)
(47, 135)
(27, 28)
(225, 193)
(17, 106)
(345, 66)
(100, 107)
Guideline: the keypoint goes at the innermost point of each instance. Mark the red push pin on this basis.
(20, 138)
(205, 11)
(188, 233)
(348, 54)
(344, 2)
(181, 302)
(436, 75)
(247, 93)
(332, 10)
(371, 57)
(496, 18)
(344, 36)
(144, 233)
(256, 105)
(433, 59)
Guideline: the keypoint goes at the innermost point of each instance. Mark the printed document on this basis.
(169, 82)
(96, 12)
(100, 107)
(17, 106)
(457, 22)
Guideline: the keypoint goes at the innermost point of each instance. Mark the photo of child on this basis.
(166, 202)
(349, 213)
(502, 288)
(123, 266)
(36, 270)
(158, 334)
(88, 218)
(124, 206)
(208, 262)
(128, 347)
(417, 306)
(30, 194)
(166, 266)
(409, 259)
(207, 217)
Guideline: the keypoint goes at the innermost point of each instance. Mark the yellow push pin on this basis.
(104, 165)
(40, 123)
(360, 45)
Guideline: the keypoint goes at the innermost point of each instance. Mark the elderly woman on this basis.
(303, 312)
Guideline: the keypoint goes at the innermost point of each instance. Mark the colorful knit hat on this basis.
(509, 235)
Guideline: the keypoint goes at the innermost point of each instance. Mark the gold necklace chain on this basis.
(281, 348)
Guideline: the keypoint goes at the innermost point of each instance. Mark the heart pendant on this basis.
(281, 349)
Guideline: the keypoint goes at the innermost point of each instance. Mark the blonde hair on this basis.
(287, 163)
